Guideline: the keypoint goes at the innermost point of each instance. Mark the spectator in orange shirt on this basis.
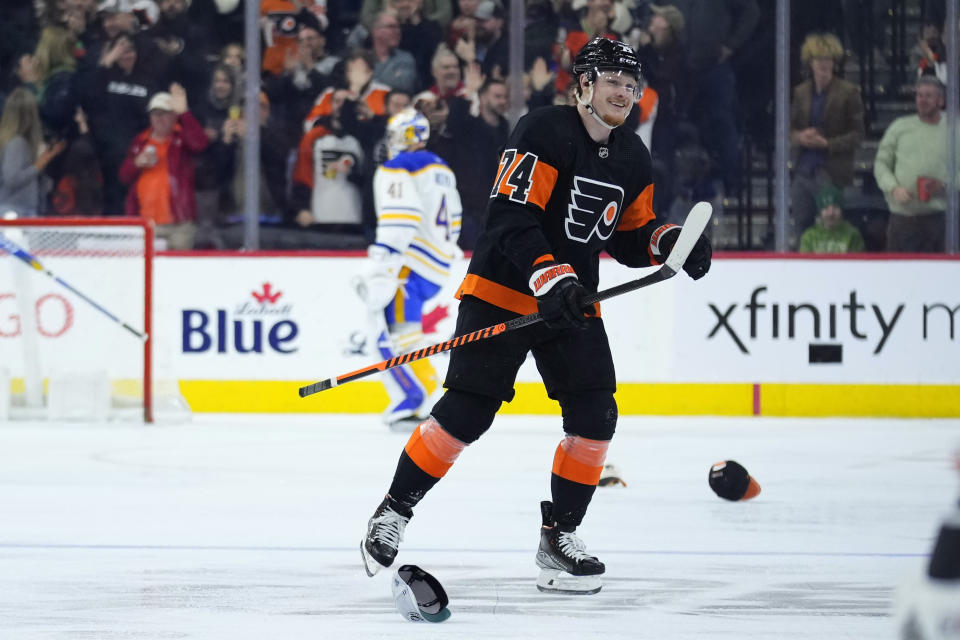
(159, 168)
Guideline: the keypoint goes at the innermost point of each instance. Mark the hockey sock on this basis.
(577, 466)
(429, 453)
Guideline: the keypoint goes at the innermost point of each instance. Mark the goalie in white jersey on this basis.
(418, 223)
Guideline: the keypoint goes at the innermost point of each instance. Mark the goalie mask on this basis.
(405, 130)
(610, 62)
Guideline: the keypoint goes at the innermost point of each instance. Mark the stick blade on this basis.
(317, 387)
(692, 229)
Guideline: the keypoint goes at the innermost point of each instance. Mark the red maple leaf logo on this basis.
(267, 296)
(431, 319)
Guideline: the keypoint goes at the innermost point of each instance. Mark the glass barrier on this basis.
(262, 125)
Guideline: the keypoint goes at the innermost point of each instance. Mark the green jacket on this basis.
(845, 238)
(842, 125)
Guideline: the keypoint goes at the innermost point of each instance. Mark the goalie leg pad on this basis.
(408, 386)
(556, 581)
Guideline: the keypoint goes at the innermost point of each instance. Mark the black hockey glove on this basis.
(698, 262)
(559, 296)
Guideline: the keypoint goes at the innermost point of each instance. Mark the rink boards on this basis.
(758, 336)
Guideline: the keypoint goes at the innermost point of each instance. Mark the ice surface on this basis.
(248, 527)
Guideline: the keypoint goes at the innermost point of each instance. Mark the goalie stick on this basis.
(19, 252)
(692, 228)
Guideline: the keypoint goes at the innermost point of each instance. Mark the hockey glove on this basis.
(698, 262)
(378, 283)
(559, 296)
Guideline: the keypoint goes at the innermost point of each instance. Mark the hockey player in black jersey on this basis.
(570, 185)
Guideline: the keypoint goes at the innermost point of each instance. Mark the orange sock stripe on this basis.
(433, 449)
(566, 466)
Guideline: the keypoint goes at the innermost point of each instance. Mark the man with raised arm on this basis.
(570, 185)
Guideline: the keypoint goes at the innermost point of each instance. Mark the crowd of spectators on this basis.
(135, 107)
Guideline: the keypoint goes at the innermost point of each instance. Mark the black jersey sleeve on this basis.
(526, 177)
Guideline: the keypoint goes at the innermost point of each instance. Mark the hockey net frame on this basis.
(148, 254)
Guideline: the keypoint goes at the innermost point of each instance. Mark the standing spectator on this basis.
(911, 171)
(394, 67)
(79, 191)
(446, 73)
(361, 86)
(930, 53)
(418, 35)
(596, 22)
(480, 139)
(274, 152)
(831, 233)
(160, 169)
(281, 21)
(439, 11)
(464, 25)
(826, 127)
(488, 46)
(18, 32)
(22, 158)
(56, 65)
(305, 76)
(326, 179)
(663, 60)
(715, 30)
(182, 47)
(214, 166)
(23, 73)
(115, 101)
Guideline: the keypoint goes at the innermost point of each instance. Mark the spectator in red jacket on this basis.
(159, 168)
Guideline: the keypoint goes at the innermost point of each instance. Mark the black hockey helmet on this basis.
(601, 54)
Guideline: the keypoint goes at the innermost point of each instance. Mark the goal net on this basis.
(75, 319)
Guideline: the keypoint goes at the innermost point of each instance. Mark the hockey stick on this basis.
(692, 229)
(19, 252)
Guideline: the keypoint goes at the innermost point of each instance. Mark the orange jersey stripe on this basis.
(544, 179)
(496, 294)
(640, 211)
(565, 466)
(501, 296)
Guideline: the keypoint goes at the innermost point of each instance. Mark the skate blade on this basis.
(556, 581)
(370, 565)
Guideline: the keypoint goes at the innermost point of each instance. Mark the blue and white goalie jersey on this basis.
(418, 212)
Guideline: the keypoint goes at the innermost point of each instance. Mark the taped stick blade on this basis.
(692, 229)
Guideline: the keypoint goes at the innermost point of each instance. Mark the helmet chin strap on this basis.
(587, 103)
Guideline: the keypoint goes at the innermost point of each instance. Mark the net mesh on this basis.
(58, 350)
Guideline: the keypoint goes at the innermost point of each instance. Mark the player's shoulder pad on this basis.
(413, 161)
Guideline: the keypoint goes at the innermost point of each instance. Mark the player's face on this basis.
(614, 93)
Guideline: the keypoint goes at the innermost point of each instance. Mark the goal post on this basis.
(76, 307)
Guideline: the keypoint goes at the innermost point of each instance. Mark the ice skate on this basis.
(565, 565)
(384, 533)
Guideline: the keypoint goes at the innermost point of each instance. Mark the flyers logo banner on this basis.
(593, 210)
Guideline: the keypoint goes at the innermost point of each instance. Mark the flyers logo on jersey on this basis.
(593, 210)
